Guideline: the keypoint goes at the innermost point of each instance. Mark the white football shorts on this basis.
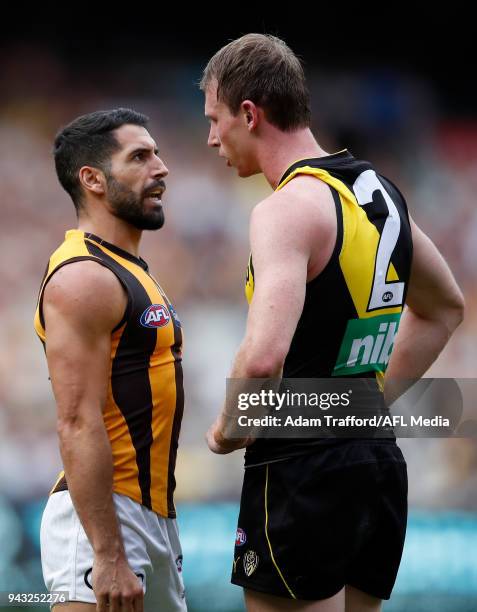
(151, 543)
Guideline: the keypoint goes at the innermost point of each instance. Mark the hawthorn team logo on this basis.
(156, 315)
(173, 312)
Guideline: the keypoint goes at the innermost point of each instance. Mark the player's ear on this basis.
(250, 114)
(92, 179)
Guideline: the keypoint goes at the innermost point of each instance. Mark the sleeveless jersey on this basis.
(145, 397)
(352, 308)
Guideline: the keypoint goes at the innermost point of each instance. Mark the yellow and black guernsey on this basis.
(352, 308)
(145, 399)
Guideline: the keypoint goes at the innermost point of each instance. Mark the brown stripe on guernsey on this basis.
(155, 383)
(133, 390)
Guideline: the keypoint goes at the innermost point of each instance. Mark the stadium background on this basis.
(396, 101)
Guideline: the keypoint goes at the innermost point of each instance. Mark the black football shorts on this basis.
(310, 524)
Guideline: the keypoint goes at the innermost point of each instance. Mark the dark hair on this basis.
(263, 69)
(89, 141)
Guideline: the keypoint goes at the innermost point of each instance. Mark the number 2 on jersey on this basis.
(383, 294)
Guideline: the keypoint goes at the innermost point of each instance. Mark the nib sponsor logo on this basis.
(367, 345)
(370, 349)
(156, 315)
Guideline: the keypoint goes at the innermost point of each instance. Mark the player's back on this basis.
(352, 308)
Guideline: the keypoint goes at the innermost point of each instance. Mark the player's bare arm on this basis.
(435, 307)
(285, 230)
(83, 302)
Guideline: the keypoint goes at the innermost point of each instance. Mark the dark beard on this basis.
(129, 207)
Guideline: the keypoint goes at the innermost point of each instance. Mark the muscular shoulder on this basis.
(304, 199)
(85, 293)
(302, 210)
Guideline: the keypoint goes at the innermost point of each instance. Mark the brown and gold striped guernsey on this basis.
(145, 399)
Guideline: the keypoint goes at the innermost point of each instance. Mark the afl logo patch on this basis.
(388, 296)
(156, 315)
(240, 537)
(250, 562)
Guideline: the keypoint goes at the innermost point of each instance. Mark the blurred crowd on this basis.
(393, 119)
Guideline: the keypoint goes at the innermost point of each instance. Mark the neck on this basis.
(113, 230)
(287, 147)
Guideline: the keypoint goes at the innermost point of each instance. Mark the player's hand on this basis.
(219, 444)
(116, 587)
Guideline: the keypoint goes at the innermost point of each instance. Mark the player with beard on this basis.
(113, 343)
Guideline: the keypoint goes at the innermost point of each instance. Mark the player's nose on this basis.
(213, 139)
(160, 169)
